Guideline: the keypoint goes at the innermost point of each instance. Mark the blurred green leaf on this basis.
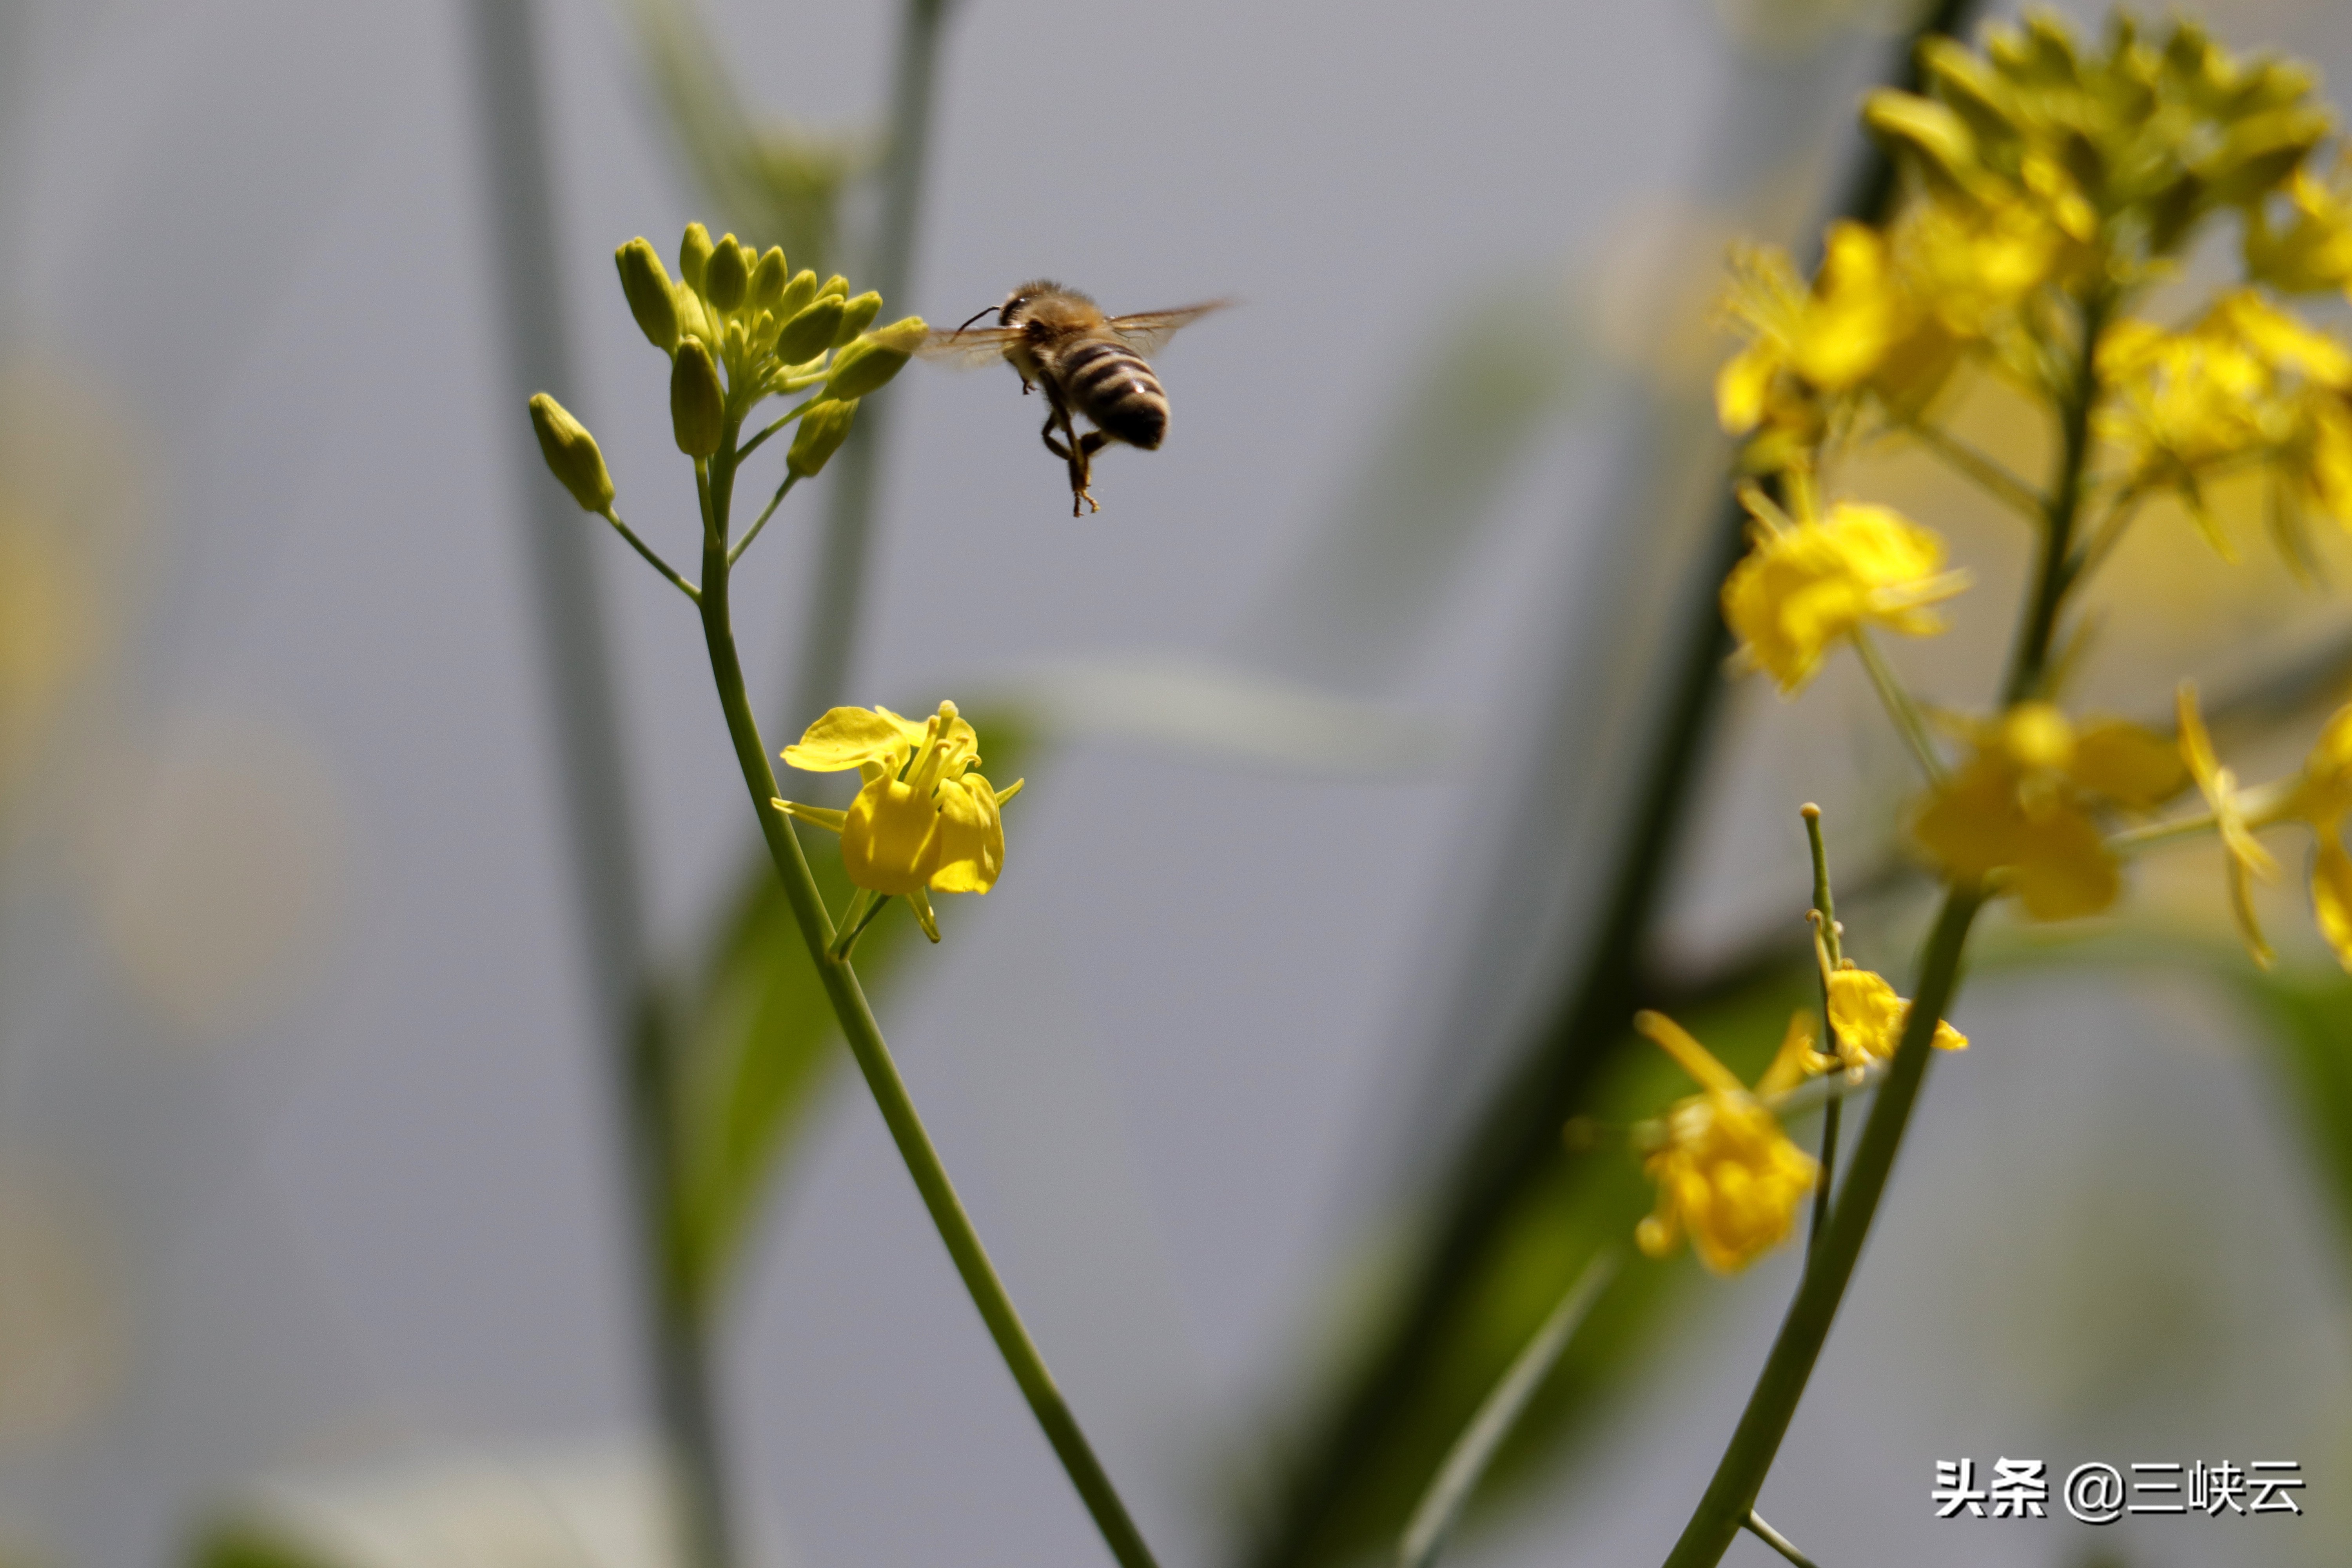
(774, 185)
(759, 1044)
(1580, 1204)
(249, 1546)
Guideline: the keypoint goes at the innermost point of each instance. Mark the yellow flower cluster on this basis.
(2027, 804)
(2247, 383)
(2311, 251)
(926, 820)
(1809, 582)
(2035, 164)
(1726, 1175)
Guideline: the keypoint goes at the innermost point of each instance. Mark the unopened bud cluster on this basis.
(739, 326)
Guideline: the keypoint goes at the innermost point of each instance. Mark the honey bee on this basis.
(1090, 365)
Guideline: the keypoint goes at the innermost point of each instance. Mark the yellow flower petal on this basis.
(1726, 1175)
(2331, 896)
(851, 737)
(2127, 763)
(1801, 589)
(971, 836)
(889, 839)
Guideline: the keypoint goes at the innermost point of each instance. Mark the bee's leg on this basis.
(1053, 418)
(1081, 448)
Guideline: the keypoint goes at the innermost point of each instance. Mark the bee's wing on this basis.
(1144, 333)
(970, 348)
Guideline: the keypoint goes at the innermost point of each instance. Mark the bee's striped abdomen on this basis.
(1109, 384)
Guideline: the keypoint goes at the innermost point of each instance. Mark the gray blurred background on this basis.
(308, 1170)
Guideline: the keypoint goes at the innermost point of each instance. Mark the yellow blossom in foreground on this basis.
(1803, 586)
(1726, 1175)
(925, 821)
(2025, 805)
(1866, 1017)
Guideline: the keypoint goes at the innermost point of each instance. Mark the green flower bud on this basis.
(822, 430)
(810, 333)
(798, 295)
(698, 408)
(837, 284)
(572, 455)
(867, 365)
(727, 278)
(693, 252)
(647, 286)
(693, 321)
(856, 315)
(768, 279)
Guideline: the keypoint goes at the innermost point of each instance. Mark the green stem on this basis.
(778, 423)
(1731, 1496)
(1825, 909)
(2053, 577)
(735, 551)
(1432, 1520)
(652, 557)
(1989, 473)
(1899, 706)
(1779, 1543)
(873, 1059)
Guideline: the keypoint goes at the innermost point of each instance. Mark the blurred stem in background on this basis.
(836, 591)
(1513, 1141)
(625, 1003)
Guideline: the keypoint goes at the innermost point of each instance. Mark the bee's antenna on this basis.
(976, 315)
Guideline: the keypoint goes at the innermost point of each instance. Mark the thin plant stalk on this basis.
(1498, 1415)
(1731, 1496)
(590, 774)
(838, 587)
(1825, 913)
(1763, 1531)
(873, 1053)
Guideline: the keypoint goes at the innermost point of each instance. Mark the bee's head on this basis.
(1018, 305)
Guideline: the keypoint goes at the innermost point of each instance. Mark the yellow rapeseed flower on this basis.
(1726, 1175)
(1807, 584)
(1865, 1016)
(2026, 804)
(2247, 382)
(2314, 250)
(1831, 337)
(925, 821)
